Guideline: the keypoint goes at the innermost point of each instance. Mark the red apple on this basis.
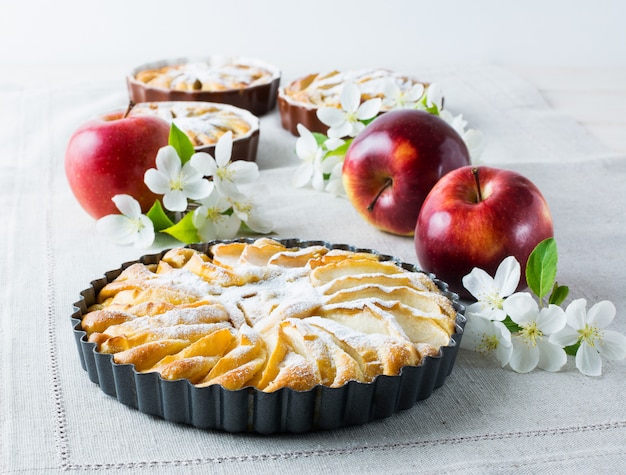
(393, 163)
(109, 155)
(476, 217)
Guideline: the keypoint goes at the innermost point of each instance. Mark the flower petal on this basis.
(156, 181)
(317, 179)
(145, 236)
(357, 128)
(369, 109)
(601, 314)
(588, 360)
(227, 228)
(507, 276)
(208, 230)
(551, 357)
(350, 97)
(306, 145)
(333, 144)
(117, 228)
(415, 93)
(227, 189)
(127, 205)
(224, 149)
(566, 337)
(551, 319)
(302, 176)
(204, 163)
(168, 161)
(521, 307)
(613, 345)
(244, 172)
(331, 116)
(342, 130)
(260, 223)
(434, 96)
(478, 283)
(329, 163)
(198, 189)
(175, 200)
(576, 314)
(524, 357)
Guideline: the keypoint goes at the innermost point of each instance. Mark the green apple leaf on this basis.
(541, 267)
(158, 217)
(184, 230)
(319, 138)
(341, 150)
(511, 325)
(179, 140)
(559, 294)
(572, 349)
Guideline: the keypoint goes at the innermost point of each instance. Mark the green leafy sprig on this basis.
(541, 271)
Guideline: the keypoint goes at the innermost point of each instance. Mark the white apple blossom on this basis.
(489, 292)
(589, 329)
(310, 152)
(335, 180)
(486, 337)
(347, 121)
(531, 345)
(248, 210)
(398, 98)
(175, 182)
(434, 96)
(211, 221)
(227, 174)
(129, 228)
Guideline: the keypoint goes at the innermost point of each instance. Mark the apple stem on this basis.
(131, 104)
(387, 184)
(478, 192)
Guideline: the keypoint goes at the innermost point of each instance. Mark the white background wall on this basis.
(316, 34)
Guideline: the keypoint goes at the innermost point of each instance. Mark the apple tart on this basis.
(242, 82)
(298, 101)
(205, 122)
(268, 316)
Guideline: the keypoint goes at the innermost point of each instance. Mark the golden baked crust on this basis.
(202, 76)
(204, 123)
(324, 89)
(263, 315)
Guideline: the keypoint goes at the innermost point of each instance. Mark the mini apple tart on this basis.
(298, 101)
(205, 122)
(242, 82)
(268, 336)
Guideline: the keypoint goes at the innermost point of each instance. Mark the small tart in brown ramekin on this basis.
(242, 82)
(205, 122)
(298, 101)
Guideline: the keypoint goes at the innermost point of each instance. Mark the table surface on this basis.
(596, 98)
(563, 128)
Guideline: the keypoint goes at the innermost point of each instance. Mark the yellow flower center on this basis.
(590, 334)
(530, 333)
(177, 183)
(213, 214)
(243, 207)
(351, 117)
(492, 300)
(487, 344)
(137, 223)
(224, 174)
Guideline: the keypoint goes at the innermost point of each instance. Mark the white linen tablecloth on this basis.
(485, 419)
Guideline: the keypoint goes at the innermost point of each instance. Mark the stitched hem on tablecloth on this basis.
(375, 447)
